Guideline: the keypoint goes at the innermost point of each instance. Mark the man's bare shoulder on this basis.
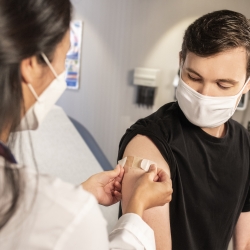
(141, 146)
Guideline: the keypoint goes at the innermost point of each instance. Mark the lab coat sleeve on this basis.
(88, 230)
(131, 232)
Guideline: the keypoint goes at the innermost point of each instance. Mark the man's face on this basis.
(223, 74)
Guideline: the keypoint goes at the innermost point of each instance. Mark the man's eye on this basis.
(222, 87)
(193, 79)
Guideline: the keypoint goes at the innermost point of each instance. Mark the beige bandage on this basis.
(136, 162)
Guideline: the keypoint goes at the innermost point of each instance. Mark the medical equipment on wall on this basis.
(243, 102)
(244, 117)
(147, 81)
(175, 83)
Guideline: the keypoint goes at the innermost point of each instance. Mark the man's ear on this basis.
(30, 69)
(247, 87)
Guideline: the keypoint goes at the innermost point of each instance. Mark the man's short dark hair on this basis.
(217, 32)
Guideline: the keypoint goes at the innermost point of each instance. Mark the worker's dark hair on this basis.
(27, 28)
(217, 32)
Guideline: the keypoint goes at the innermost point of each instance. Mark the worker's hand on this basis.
(106, 186)
(152, 189)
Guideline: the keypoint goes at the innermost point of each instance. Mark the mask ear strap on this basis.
(240, 93)
(45, 58)
(33, 91)
(248, 79)
(51, 68)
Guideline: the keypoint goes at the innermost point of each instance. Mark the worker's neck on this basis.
(218, 132)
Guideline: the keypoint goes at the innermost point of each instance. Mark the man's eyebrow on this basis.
(193, 71)
(227, 80)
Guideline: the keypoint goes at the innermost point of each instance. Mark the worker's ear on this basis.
(30, 69)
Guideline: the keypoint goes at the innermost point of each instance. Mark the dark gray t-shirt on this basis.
(210, 176)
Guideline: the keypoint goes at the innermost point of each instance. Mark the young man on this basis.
(196, 141)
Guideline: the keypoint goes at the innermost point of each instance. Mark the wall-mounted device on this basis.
(175, 83)
(147, 81)
(243, 102)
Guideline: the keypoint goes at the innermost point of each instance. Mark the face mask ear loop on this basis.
(51, 68)
(45, 58)
(33, 91)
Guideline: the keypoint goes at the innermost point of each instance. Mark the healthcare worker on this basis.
(38, 211)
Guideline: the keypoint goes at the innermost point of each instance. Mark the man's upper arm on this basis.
(157, 218)
(241, 238)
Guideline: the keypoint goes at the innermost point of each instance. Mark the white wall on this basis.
(119, 36)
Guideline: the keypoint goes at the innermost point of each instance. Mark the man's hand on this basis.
(106, 186)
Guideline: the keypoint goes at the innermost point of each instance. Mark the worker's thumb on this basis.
(152, 172)
(114, 173)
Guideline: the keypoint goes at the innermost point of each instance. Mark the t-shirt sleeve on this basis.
(246, 207)
(154, 132)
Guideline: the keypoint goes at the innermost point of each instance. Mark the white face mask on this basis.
(34, 116)
(206, 111)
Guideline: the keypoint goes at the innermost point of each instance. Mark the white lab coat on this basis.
(59, 216)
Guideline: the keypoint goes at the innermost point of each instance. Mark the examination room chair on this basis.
(92, 144)
(75, 155)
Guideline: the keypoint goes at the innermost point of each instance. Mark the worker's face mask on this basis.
(206, 111)
(44, 102)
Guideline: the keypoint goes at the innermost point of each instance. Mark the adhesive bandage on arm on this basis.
(135, 162)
